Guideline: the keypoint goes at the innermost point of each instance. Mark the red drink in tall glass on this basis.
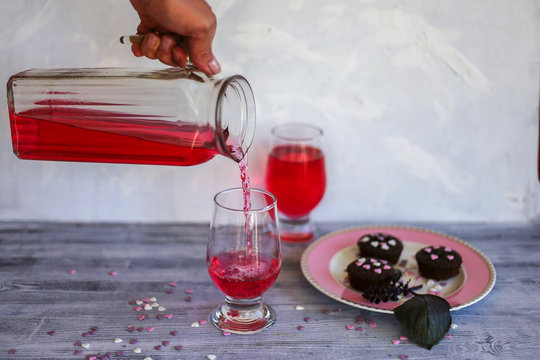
(243, 274)
(296, 176)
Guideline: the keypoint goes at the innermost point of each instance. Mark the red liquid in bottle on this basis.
(72, 134)
(243, 274)
(296, 176)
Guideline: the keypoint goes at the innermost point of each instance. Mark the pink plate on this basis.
(324, 263)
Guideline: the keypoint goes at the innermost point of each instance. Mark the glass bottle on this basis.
(168, 117)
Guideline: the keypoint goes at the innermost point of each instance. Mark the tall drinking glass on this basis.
(296, 175)
(243, 259)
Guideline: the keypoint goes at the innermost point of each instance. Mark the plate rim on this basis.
(305, 271)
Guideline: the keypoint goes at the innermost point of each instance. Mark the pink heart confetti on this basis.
(428, 250)
(450, 257)
(434, 257)
(378, 271)
(367, 266)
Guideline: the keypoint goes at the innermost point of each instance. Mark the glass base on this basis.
(243, 316)
(295, 230)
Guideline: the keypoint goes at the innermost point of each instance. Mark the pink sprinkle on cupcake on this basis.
(395, 341)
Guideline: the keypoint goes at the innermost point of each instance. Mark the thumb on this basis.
(200, 54)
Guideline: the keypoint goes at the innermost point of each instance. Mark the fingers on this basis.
(165, 50)
(179, 56)
(150, 45)
(168, 52)
(200, 53)
(162, 47)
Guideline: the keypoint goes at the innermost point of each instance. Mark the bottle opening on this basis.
(235, 114)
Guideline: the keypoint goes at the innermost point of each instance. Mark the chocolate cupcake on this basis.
(380, 246)
(438, 262)
(368, 273)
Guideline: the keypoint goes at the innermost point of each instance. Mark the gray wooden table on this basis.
(63, 285)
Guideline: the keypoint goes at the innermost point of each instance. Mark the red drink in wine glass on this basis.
(242, 273)
(296, 175)
(243, 259)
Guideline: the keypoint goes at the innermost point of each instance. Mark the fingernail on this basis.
(214, 66)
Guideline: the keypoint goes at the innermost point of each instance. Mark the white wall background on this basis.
(430, 108)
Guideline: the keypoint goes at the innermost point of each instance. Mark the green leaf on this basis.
(426, 319)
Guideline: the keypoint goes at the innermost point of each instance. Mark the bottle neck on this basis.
(234, 116)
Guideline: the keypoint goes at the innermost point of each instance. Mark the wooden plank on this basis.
(38, 295)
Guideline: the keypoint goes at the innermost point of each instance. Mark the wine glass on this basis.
(243, 258)
(296, 175)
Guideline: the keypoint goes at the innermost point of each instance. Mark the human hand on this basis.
(192, 19)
